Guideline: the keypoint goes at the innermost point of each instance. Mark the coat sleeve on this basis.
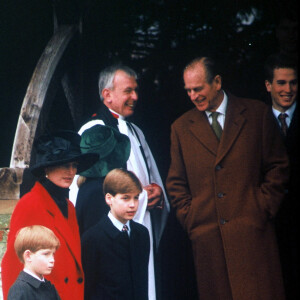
(177, 183)
(275, 165)
(20, 291)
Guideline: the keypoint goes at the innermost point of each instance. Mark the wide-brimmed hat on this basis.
(60, 148)
(112, 146)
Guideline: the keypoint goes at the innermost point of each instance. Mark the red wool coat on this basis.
(226, 195)
(38, 208)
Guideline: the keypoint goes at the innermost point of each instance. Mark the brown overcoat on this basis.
(226, 195)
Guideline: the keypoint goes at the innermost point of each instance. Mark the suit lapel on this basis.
(134, 237)
(234, 122)
(294, 122)
(110, 228)
(134, 231)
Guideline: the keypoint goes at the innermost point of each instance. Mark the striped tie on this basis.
(283, 124)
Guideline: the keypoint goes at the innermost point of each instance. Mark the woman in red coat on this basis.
(58, 159)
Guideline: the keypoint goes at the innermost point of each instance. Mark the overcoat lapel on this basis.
(201, 129)
(234, 122)
(68, 234)
(62, 226)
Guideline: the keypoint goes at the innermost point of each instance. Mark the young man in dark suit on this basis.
(281, 80)
(115, 252)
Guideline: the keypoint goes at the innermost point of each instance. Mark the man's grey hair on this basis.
(210, 65)
(106, 77)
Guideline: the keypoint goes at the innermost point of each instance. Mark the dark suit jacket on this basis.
(27, 287)
(288, 214)
(292, 145)
(287, 227)
(115, 266)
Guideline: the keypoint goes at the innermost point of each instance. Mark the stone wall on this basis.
(6, 208)
(4, 225)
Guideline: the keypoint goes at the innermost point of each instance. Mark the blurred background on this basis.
(156, 38)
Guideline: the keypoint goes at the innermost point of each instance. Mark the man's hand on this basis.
(155, 196)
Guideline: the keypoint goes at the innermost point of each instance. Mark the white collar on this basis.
(222, 107)
(119, 225)
(33, 275)
(289, 111)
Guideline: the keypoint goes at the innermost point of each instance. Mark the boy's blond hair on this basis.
(120, 181)
(35, 238)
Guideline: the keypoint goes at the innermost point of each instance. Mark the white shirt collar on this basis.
(119, 225)
(33, 275)
(289, 111)
(222, 108)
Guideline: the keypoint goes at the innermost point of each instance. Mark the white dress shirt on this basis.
(289, 113)
(118, 224)
(221, 110)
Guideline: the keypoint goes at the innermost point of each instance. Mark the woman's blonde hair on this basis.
(81, 180)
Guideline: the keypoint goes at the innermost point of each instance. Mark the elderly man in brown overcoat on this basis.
(226, 181)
